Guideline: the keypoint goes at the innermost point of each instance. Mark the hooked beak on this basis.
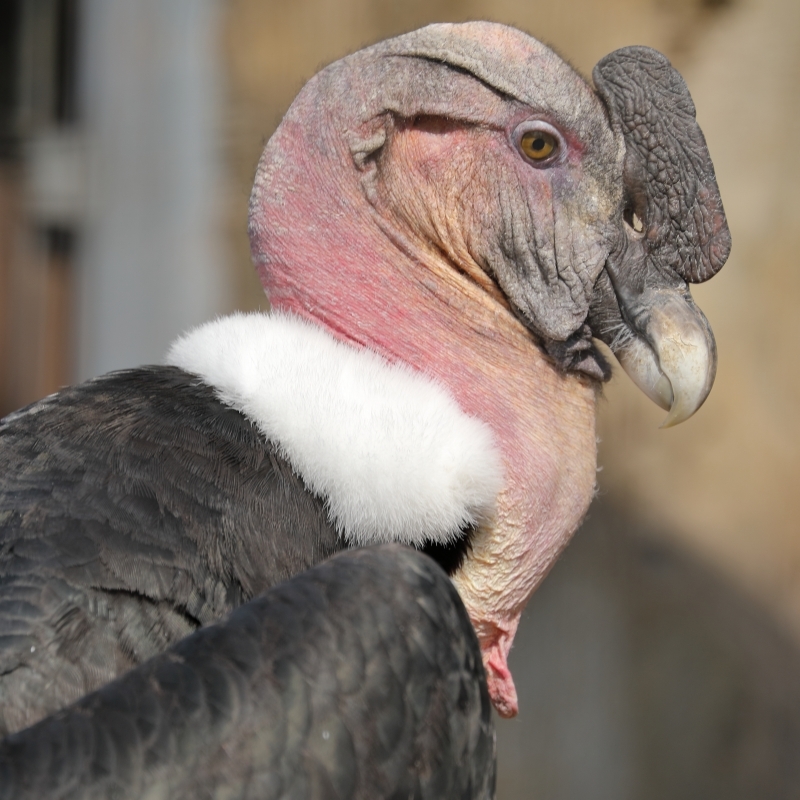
(671, 355)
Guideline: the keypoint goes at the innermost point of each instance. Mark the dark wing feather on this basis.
(361, 678)
(134, 508)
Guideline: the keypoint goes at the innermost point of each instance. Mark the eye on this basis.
(538, 145)
(538, 141)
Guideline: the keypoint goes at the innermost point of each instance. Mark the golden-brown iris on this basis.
(538, 144)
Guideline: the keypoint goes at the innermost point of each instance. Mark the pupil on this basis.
(538, 144)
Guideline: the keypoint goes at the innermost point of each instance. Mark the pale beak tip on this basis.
(677, 362)
(684, 407)
(675, 417)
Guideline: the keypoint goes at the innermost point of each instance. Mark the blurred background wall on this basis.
(111, 185)
(661, 658)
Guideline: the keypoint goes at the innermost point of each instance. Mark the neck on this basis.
(418, 309)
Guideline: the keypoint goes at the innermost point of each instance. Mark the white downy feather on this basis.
(388, 448)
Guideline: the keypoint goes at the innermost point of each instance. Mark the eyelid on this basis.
(539, 125)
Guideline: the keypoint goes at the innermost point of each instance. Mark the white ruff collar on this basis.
(388, 449)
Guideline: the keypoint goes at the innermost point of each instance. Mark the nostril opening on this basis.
(632, 219)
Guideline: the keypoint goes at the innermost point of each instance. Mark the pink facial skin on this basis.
(389, 263)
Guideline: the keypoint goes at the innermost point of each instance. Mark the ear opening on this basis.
(365, 144)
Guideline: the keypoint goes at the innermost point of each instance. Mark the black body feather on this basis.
(133, 509)
(307, 692)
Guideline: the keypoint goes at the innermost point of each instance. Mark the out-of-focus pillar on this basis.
(151, 260)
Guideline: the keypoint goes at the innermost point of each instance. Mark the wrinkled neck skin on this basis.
(370, 285)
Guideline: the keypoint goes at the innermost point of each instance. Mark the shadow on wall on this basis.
(644, 674)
